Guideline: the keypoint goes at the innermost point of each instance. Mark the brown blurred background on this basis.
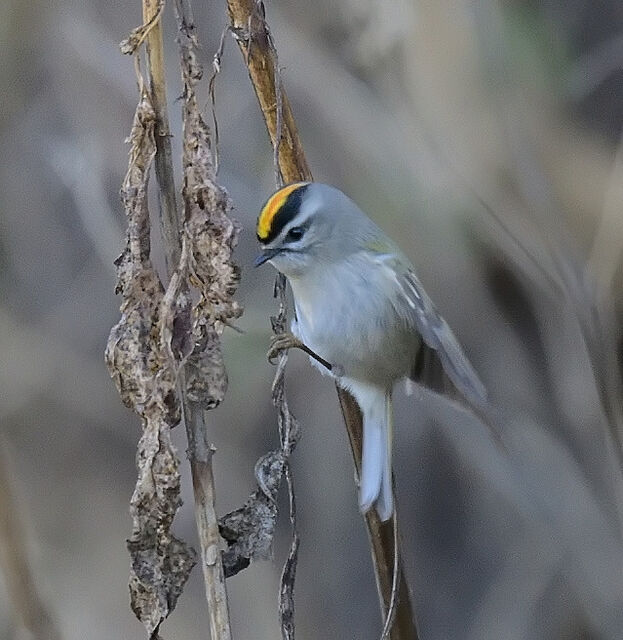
(483, 135)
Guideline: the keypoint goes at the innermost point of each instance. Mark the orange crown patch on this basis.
(272, 207)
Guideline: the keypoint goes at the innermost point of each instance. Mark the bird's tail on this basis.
(375, 486)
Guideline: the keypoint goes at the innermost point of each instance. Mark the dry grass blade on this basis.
(169, 218)
(146, 382)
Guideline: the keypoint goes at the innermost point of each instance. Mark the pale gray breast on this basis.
(347, 315)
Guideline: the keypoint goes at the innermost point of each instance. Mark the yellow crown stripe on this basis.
(275, 202)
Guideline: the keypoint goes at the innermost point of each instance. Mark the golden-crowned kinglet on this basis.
(360, 308)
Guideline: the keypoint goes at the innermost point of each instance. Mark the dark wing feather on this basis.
(428, 371)
(438, 336)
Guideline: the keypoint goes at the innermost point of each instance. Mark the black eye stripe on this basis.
(295, 233)
(288, 211)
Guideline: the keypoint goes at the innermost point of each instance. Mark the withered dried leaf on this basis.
(160, 563)
(137, 36)
(141, 369)
(250, 530)
(209, 238)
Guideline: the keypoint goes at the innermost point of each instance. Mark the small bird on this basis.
(360, 313)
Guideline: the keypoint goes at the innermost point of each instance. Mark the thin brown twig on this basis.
(216, 69)
(250, 29)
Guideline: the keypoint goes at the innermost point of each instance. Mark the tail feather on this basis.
(371, 463)
(376, 465)
(385, 501)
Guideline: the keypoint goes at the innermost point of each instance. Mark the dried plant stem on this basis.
(381, 536)
(199, 448)
(26, 603)
(249, 26)
(169, 218)
(200, 454)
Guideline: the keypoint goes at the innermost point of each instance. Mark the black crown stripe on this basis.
(285, 214)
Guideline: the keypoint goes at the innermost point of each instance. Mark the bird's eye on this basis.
(296, 233)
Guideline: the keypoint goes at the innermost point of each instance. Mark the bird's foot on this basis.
(284, 341)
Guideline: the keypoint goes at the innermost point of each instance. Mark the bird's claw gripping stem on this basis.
(284, 341)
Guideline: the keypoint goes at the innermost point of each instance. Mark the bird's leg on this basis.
(283, 341)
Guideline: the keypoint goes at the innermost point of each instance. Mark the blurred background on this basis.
(484, 136)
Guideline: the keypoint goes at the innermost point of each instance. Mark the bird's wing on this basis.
(416, 305)
(438, 336)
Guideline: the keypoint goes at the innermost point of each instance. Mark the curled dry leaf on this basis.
(137, 36)
(209, 238)
(249, 530)
(160, 563)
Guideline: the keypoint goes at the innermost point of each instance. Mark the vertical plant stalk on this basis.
(30, 611)
(209, 536)
(199, 448)
(380, 535)
(251, 31)
(169, 218)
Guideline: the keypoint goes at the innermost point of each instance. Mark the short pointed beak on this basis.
(265, 256)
